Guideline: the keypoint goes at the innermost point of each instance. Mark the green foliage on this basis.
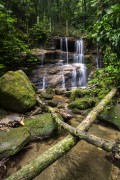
(107, 30)
(41, 30)
(10, 44)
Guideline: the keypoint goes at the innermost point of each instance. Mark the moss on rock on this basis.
(111, 115)
(13, 141)
(16, 92)
(41, 126)
(79, 93)
(82, 103)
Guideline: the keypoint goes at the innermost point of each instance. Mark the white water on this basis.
(79, 59)
(79, 53)
(83, 76)
(64, 46)
(61, 47)
(74, 78)
(66, 42)
(42, 59)
(63, 78)
(44, 81)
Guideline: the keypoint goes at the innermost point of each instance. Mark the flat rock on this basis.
(12, 141)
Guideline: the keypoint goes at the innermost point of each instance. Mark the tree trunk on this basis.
(34, 168)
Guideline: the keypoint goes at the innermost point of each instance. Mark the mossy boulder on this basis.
(52, 103)
(16, 92)
(60, 91)
(13, 141)
(79, 93)
(111, 115)
(47, 96)
(41, 126)
(82, 103)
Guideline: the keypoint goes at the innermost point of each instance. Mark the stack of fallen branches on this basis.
(34, 168)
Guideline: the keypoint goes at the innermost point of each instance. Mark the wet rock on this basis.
(82, 103)
(111, 115)
(2, 113)
(16, 92)
(79, 93)
(13, 141)
(60, 91)
(47, 96)
(52, 103)
(76, 111)
(41, 126)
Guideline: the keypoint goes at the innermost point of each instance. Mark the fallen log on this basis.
(34, 168)
(107, 145)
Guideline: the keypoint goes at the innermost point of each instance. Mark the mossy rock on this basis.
(16, 92)
(47, 96)
(111, 115)
(79, 93)
(13, 141)
(76, 111)
(52, 103)
(41, 126)
(60, 91)
(82, 103)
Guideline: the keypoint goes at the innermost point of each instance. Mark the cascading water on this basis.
(83, 76)
(79, 59)
(79, 55)
(66, 42)
(44, 81)
(61, 46)
(63, 79)
(74, 78)
(64, 47)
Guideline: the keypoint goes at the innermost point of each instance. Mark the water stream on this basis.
(63, 78)
(44, 81)
(74, 78)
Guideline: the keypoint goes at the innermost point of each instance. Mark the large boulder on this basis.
(82, 103)
(41, 126)
(111, 115)
(13, 141)
(16, 92)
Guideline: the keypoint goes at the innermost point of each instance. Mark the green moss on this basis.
(79, 93)
(111, 115)
(13, 141)
(16, 92)
(47, 96)
(41, 125)
(82, 103)
(52, 103)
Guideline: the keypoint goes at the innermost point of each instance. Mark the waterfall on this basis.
(61, 46)
(79, 54)
(74, 76)
(63, 79)
(64, 46)
(44, 81)
(66, 42)
(83, 76)
(42, 59)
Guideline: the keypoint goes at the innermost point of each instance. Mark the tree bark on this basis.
(34, 168)
(105, 144)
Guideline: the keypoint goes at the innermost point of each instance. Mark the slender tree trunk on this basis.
(34, 168)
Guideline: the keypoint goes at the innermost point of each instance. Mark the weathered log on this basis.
(107, 145)
(32, 169)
